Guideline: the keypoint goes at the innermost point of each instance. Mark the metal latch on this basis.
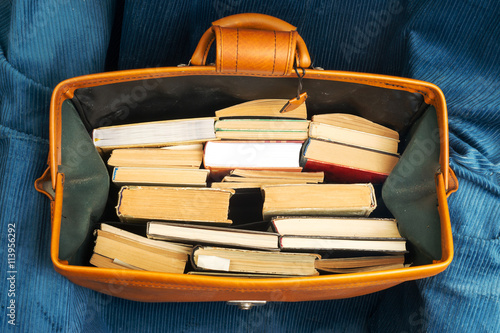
(246, 305)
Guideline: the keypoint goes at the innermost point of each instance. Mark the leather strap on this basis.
(253, 43)
(256, 51)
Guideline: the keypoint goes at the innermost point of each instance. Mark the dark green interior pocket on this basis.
(410, 190)
(86, 186)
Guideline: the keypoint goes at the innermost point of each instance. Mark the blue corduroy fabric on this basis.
(453, 44)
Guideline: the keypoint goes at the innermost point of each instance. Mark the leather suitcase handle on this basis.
(250, 21)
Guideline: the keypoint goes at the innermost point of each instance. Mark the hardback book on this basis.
(360, 264)
(155, 134)
(366, 269)
(263, 108)
(235, 186)
(349, 121)
(257, 178)
(182, 156)
(347, 164)
(230, 179)
(116, 248)
(353, 137)
(318, 200)
(257, 184)
(159, 176)
(262, 129)
(196, 234)
(224, 156)
(339, 227)
(105, 262)
(312, 243)
(190, 204)
(310, 177)
(250, 261)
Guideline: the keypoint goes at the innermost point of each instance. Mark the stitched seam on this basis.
(221, 50)
(289, 55)
(297, 58)
(274, 61)
(139, 283)
(237, 47)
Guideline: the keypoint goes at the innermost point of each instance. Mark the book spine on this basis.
(303, 159)
(118, 205)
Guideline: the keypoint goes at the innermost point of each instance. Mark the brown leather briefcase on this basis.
(256, 57)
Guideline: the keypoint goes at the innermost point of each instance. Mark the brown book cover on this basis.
(318, 200)
(340, 227)
(249, 261)
(190, 204)
(159, 176)
(263, 108)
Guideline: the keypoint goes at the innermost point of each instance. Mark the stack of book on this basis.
(350, 149)
(168, 166)
(294, 248)
(339, 233)
(182, 179)
(119, 249)
(256, 135)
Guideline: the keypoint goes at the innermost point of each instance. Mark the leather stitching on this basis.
(289, 54)
(219, 40)
(138, 283)
(274, 61)
(237, 47)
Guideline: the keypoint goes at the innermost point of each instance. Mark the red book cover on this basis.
(344, 174)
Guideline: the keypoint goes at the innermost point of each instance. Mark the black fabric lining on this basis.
(201, 95)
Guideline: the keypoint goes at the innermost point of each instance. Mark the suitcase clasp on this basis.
(246, 305)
